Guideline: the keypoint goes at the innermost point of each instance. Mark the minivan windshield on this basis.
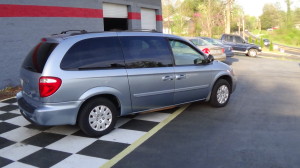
(38, 56)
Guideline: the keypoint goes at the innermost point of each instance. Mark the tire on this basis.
(252, 53)
(220, 93)
(97, 117)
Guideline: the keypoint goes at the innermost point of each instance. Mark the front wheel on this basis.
(252, 53)
(220, 94)
(97, 117)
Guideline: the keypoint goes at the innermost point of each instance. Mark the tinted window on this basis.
(229, 38)
(199, 42)
(184, 54)
(238, 39)
(38, 56)
(95, 53)
(146, 52)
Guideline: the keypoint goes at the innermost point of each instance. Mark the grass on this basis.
(9, 92)
(290, 37)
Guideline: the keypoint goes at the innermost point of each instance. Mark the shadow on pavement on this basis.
(231, 60)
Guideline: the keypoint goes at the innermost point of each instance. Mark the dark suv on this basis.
(240, 45)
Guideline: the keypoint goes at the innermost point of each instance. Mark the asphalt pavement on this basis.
(259, 128)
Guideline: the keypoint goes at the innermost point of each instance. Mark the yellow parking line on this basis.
(137, 143)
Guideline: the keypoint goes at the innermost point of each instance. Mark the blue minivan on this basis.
(90, 79)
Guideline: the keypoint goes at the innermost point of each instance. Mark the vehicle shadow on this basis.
(231, 60)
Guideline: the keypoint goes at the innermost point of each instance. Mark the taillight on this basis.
(48, 85)
(206, 50)
(223, 50)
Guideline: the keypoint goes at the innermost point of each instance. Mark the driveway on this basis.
(259, 128)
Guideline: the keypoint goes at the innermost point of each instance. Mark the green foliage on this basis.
(256, 41)
(271, 47)
(270, 17)
(261, 43)
(250, 39)
(284, 36)
(195, 17)
(250, 22)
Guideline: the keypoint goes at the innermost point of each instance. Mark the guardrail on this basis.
(280, 47)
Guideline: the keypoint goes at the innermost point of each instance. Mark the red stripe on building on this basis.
(48, 11)
(134, 15)
(159, 18)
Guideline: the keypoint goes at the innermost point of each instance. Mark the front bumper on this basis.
(48, 114)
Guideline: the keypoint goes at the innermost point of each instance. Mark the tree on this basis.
(270, 17)
(297, 15)
(167, 11)
(288, 14)
(250, 22)
(228, 14)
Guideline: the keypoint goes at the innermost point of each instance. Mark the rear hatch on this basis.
(32, 69)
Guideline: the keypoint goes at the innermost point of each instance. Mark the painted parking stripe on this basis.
(137, 143)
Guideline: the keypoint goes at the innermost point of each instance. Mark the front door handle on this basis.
(167, 78)
(178, 77)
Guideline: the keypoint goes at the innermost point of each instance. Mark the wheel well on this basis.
(228, 79)
(110, 97)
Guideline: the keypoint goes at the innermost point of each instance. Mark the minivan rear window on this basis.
(38, 56)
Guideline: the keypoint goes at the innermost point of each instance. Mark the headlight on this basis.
(259, 48)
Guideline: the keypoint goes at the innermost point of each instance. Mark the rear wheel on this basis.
(220, 94)
(97, 117)
(252, 53)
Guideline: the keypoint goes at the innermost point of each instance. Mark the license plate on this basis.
(215, 52)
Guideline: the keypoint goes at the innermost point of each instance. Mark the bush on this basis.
(250, 39)
(271, 46)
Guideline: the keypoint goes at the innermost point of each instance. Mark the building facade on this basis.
(24, 23)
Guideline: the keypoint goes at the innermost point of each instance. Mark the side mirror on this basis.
(210, 58)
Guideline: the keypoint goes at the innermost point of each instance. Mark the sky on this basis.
(254, 7)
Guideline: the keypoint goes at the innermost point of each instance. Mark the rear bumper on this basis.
(220, 57)
(49, 114)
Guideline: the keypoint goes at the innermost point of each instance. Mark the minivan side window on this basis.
(146, 52)
(184, 54)
(94, 53)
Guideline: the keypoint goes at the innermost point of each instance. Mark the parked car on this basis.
(228, 49)
(240, 45)
(91, 78)
(208, 48)
(266, 42)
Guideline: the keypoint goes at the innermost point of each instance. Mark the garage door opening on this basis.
(113, 24)
(115, 17)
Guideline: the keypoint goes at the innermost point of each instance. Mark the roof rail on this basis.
(76, 32)
(145, 30)
(81, 31)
